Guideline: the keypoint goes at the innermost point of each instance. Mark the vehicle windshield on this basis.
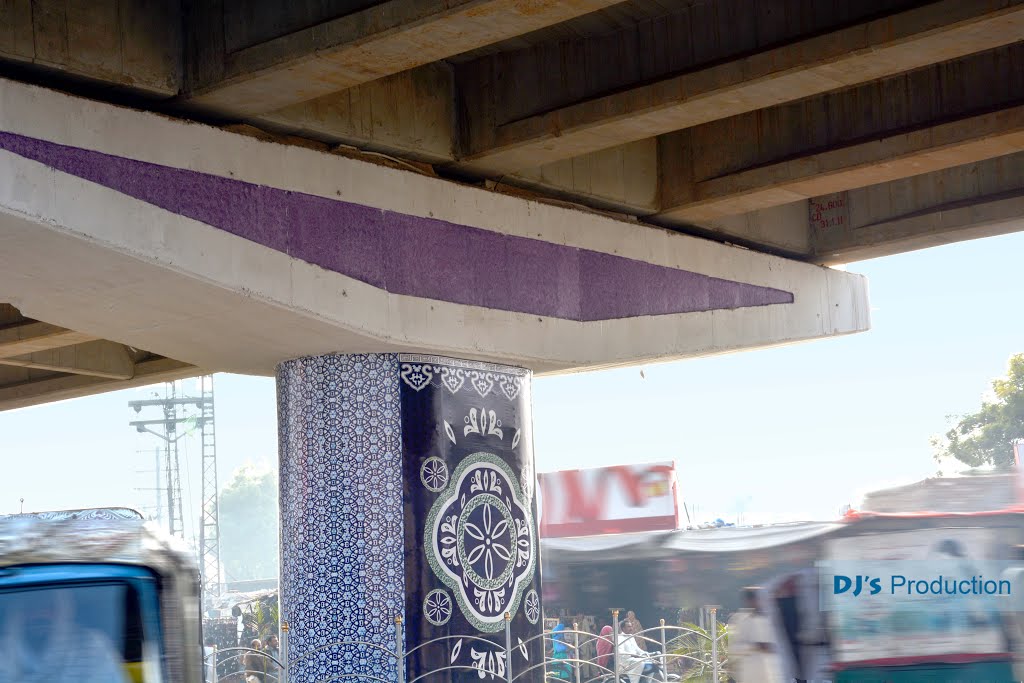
(79, 633)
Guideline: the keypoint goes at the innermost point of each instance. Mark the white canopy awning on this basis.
(735, 539)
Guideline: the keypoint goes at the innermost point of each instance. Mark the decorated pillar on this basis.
(407, 489)
(472, 547)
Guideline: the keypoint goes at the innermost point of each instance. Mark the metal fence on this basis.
(655, 655)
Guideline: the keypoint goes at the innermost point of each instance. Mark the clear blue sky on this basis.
(786, 433)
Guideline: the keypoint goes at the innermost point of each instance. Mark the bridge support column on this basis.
(407, 489)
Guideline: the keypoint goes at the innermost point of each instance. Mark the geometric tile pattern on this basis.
(342, 528)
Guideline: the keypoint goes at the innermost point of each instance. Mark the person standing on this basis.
(750, 644)
(560, 651)
(604, 648)
(273, 648)
(255, 663)
(787, 604)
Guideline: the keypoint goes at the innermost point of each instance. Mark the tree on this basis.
(986, 437)
(249, 526)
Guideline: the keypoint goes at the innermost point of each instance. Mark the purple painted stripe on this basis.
(422, 257)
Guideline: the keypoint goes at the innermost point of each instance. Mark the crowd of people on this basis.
(258, 663)
(634, 659)
(750, 654)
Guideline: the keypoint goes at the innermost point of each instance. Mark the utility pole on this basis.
(166, 429)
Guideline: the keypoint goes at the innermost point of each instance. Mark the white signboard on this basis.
(609, 500)
(879, 590)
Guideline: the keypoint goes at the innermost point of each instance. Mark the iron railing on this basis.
(669, 651)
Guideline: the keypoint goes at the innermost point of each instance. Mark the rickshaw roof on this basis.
(98, 535)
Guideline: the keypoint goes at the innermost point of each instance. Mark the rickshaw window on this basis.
(62, 631)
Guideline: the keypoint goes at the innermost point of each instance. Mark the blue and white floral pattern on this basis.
(434, 474)
(479, 540)
(532, 606)
(437, 606)
(342, 538)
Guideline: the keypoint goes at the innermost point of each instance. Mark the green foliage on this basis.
(986, 437)
(262, 619)
(695, 647)
(248, 525)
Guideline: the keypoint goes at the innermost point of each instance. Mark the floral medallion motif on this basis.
(480, 540)
(434, 474)
(437, 606)
(532, 606)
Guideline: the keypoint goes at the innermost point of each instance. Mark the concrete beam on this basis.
(410, 114)
(233, 254)
(966, 202)
(99, 358)
(33, 337)
(62, 387)
(621, 179)
(942, 225)
(891, 157)
(373, 43)
(131, 43)
(867, 51)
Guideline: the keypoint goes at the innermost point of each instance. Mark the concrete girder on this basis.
(98, 358)
(887, 158)
(790, 144)
(367, 45)
(410, 114)
(875, 49)
(965, 202)
(232, 254)
(830, 122)
(939, 226)
(65, 386)
(41, 362)
(32, 337)
(136, 45)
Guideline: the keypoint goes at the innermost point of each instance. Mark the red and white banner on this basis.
(609, 500)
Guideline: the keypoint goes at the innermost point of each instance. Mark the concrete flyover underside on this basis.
(229, 253)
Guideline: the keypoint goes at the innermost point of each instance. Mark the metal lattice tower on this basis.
(174, 409)
(209, 531)
(175, 517)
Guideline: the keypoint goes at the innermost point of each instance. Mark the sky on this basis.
(783, 434)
